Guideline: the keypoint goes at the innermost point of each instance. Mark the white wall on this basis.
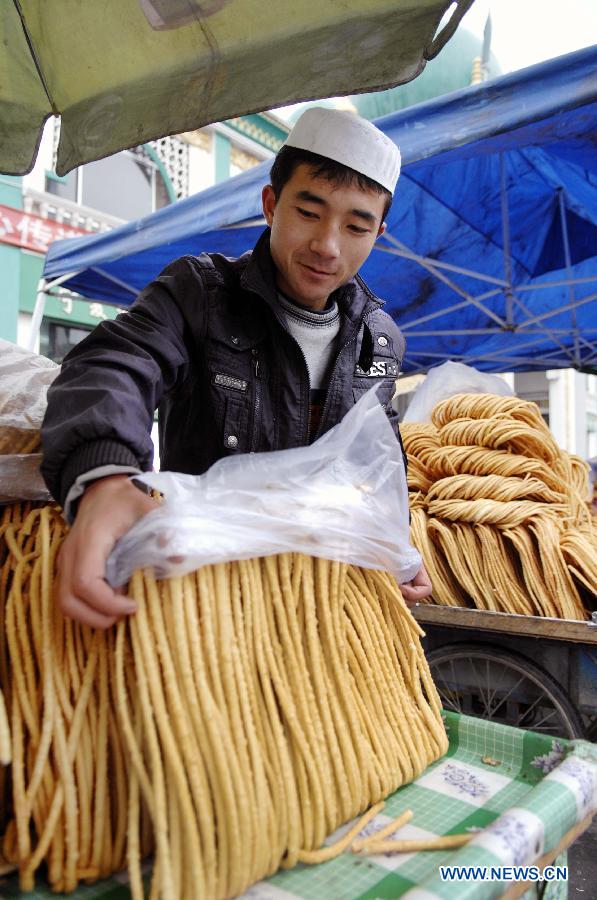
(568, 409)
(202, 169)
(36, 179)
(591, 397)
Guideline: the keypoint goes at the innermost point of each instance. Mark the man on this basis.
(263, 352)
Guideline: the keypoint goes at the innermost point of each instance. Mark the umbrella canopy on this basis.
(123, 72)
(490, 254)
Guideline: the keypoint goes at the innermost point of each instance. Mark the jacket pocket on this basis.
(236, 424)
(384, 393)
(382, 361)
(229, 347)
(383, 370)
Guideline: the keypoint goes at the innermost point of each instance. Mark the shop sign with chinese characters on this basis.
(31, 232)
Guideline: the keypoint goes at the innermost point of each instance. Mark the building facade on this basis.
(42, 207)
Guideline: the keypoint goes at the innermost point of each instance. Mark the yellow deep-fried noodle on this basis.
(498, 433)
(451, 460)
(242, 715)
(492, 487)
(420, 441)
(387, 830)
(5, 746)
(499, 512)
(18, 440)
(488, 406)
(447, 842)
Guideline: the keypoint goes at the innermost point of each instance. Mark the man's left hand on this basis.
(420, 587)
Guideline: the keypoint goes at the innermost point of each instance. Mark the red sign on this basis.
(32, 232)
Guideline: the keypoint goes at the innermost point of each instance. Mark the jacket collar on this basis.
(354, 299)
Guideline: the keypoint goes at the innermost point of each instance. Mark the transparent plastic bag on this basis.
(24, 381)
(447, 380)
(344, 498)
(21, 479)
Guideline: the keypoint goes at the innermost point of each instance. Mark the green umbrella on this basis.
(123, 72)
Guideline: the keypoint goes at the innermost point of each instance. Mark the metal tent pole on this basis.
(567, 258)
(38, 314)
(506, 240)
(43, 288)
(556, 312)
(430, 267)
(400, 249)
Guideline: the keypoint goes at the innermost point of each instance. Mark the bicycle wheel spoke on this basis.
(497, 681)
(532, 706)
(503, 686)
(536, 726)
(509, 694)
(455, 682)
(482, 694)
(488, 680)
(446, 692)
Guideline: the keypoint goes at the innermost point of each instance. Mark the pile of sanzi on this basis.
(243, 714)
(499, 512)
(16, 438)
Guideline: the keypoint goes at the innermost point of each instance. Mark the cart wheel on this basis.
(502, 686)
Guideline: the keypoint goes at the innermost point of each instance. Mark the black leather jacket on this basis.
(206, 343)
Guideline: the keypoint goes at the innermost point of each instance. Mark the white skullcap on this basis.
(350, 140)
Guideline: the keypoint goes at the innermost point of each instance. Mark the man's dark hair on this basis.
(288, 158)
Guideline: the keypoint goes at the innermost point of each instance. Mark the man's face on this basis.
(321, 234)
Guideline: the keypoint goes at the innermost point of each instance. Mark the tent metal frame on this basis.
(47, 289)
(571, 358)
(43, 290)
(561, 356)
(568, 358)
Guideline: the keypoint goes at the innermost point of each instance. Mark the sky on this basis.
(525, 32)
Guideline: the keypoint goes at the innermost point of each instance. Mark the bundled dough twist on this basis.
(420, 442)
(487, 406)
(244, 713)
(498, 432)
(498, 511)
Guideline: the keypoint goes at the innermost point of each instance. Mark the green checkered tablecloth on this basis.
(522, 792)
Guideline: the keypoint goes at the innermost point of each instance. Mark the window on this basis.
(126, 185)
(592, 438)
(122, 185)
(65, 187)
(56, 338)
(533, 387)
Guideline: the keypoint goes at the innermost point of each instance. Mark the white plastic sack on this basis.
(447, 380)
(24, 381)
(344, 498)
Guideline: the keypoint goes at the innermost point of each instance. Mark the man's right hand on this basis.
(107, 510)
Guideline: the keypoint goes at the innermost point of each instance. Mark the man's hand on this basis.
(417, 589)
(107, 510)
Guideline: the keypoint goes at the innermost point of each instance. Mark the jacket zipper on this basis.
(308, 418)
(328, 392)
(257, 408)
(282, 321)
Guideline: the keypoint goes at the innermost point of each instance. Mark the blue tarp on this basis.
(490, 255)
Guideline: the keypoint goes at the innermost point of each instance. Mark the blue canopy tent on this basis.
(490, 254)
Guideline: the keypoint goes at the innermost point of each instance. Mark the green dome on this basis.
(449, 71)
